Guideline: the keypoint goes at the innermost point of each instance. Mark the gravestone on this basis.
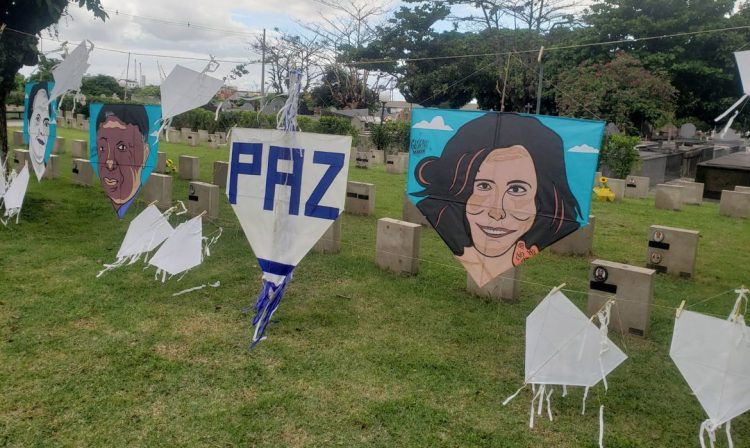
(82, 174)
(221, 170)
(579, 242)
(636, 187)
(742, 189)
(377, 157)
(70, 123)
(397, 246)
(669, 197)
(632, 288)
(735, 204)
(18, 138)
(360, 198)
(618, 188)
(693, 191)
(184, 132)
(505, 287)
(85, 125)
(213, 141)
(59, 147)
(597, 176)
(672, 250)
(202, 197)
(192, 139)
(21, 157)
(189, 167)
(222, 138)
(330, 242)
(161, 162)
(158, 188)
(410, 213)
(80, 119)
(611, 129)
(362, 160)
(202, 135)
(396, 163)
(687, 130)
(79, 149)
(52, 171)
(174, 136)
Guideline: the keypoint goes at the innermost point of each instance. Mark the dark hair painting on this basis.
(133, 114)
(35, 89)
(448, 180)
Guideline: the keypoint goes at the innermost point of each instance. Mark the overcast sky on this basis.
(241, 19)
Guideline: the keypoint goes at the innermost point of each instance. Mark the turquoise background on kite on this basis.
(52, 118)
(153, 112)
(580, 167)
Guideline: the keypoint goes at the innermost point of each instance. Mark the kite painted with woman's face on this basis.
(123, 149)
(39, 124)
(500, 187)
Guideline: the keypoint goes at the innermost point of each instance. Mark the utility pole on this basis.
(125, 87)
(263, 68)
(541, 77)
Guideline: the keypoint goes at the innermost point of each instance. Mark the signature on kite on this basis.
(418, 145)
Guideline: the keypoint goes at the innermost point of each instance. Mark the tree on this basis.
(343, 89)
(98, 85)
(18, 43)
(622, 91)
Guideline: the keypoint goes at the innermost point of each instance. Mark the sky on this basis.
(236, 23)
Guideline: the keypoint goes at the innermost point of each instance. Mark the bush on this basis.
(619, 154)
(391, 133)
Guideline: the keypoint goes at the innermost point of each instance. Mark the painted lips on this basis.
(495, 232)
(110, 182)
(40, 141)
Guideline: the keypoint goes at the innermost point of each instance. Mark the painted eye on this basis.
(101, 148)
(121, 146)
(483, 186)
(517, 190)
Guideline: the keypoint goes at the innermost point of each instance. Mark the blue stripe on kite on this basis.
(275, 268)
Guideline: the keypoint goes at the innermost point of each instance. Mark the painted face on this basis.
(501, 208)
(122, 154)
(39, 127)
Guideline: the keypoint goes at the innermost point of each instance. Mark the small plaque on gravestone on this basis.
(687, 130)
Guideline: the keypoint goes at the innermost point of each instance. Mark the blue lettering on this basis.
(293, 179)
(335, 162)
(237, 167)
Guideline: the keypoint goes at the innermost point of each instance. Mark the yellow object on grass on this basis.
(604, 194)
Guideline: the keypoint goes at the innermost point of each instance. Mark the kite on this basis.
(146, 232)
(186, 89)
(3, 181)
(14, 194)
(565, 348)
(123, 149)
(286, 188)
(39, 124)
(183, 250)
(500, 187)
(743, 65)
(69, 72)
(713, 355)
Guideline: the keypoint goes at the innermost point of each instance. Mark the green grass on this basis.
(357, 357)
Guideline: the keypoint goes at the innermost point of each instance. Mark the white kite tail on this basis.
(709, 428)
(286, 119)
(209, 241)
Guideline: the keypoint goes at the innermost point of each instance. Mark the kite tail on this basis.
(268, 301)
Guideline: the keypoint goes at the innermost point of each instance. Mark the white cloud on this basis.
(437, 124)
(585, 149)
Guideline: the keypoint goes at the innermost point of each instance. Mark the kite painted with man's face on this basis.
(500, 187)
(39, 124)
(123, 149)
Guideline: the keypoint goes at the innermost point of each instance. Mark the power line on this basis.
(553, 48)
(136, 53)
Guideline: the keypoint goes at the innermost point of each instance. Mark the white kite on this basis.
(3, 181)
(183, 250)
(69, 73)
(185, 89)
(564, 347)
(713, 355)
(743, 65)
(146, 232)
(16, 191)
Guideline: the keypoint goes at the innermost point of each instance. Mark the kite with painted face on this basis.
(123, 149)
(500, 187)
(39, 124)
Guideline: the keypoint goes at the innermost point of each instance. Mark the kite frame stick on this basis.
(202, 213)
(679, 309)
(556, 289)
(152, 202)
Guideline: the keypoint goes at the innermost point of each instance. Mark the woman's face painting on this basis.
(39, 126)
(501, 208)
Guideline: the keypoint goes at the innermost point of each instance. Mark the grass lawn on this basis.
(356, 356)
